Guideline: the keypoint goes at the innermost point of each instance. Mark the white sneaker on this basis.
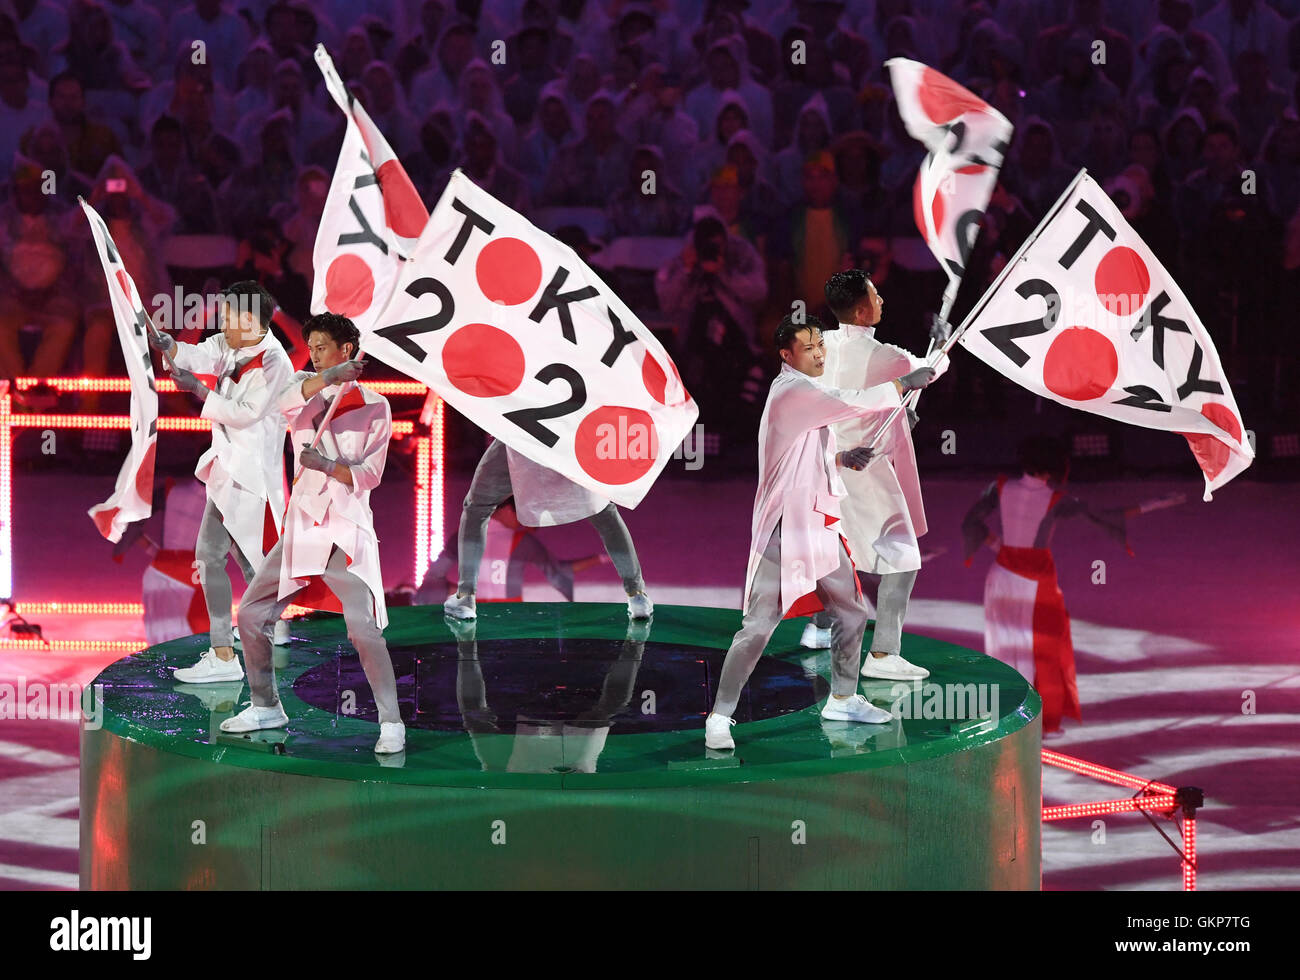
(392, 737)
(892, 668)
(855, 708)
(460, 607)
(210, 669)
(815, 637)
(253, 719)
(717, 732)
(639, 606)
(280, 635)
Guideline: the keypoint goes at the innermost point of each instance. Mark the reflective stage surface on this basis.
(578, 738)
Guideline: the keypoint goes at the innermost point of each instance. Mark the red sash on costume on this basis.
(1053, 650)
(808, 603)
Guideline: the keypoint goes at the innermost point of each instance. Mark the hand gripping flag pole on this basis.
(936, 356)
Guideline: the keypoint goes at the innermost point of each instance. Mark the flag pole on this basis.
(934, 358)
(324, 423)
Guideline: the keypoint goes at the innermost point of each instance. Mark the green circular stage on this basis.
(557, 746)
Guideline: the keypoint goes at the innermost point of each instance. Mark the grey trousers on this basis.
(491, 487)
(213, 545)
(260, 609)
(838, 593)
(892, 592)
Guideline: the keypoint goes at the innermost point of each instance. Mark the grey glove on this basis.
(919, 378)
(186, 381)
(940, 330)
(857, 458)
(347, 371)
(312, 460)
(912, 417)
(160, 341)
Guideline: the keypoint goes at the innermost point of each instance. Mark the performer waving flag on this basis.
(132, 498)
(1086, 315)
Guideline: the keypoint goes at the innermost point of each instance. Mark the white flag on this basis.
(132, 498)
(512, 328)
(967, 140)
(372, 218)
(1086, 315)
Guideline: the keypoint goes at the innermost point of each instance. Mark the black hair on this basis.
(789, 328)
(1044, 454)
(166, 124)
(845, 290)
(249, 296)
(339, 329)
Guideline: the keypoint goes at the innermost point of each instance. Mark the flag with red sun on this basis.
(514, 330)
(372, 218)
(132, 498)
(966, 140)
(1086, 315)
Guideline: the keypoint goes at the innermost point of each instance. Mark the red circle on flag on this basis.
(652, 375)
(483, 361)
(943, 100)
(1122, 281)
(1212, 453)
(126, 289)
(144, 475)
(616, 444)
(403, 209)
(937, 206)
(508, 271)
(1080, 365)
(349, 285)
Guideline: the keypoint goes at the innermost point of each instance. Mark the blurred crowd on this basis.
(203, 134)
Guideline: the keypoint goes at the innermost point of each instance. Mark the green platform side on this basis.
(923, 803)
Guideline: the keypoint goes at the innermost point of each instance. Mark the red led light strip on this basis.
(430, 482)
(1153, 797)
(167, 386)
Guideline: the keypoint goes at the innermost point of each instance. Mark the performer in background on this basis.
(797, 558)
(883, 513)
(243, 469)
(542, 498)
(1025, 621)
(329, 536)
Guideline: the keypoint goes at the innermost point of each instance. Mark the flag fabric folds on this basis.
(1086, 315)
(132, 498)
(966, 140)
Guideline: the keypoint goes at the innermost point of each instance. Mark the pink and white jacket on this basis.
(798, 482)
(244, 468)
(324, 512)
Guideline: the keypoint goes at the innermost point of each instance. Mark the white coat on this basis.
(244, 468)
(883, 513)
(797, 480)
(544, 498)
(325, 512)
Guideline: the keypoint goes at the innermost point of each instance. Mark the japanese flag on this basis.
(967, 140)
(132, 498)
(512, 328)
(1086, 315)
(373, 216)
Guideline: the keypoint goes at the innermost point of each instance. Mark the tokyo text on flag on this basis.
(967, 140)
(512, 328)
(132, 498)
(372, 218)
(1086, 315)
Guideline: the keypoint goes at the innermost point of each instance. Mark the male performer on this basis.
(542, 498)
(244, 468)
(796, 548)
(329, 530)
(883, 514)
